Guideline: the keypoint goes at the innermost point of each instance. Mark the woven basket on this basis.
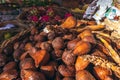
(22, 32)
(10, 41)
(13, 31)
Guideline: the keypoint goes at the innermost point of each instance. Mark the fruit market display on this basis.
(47, 15)
(73, 50)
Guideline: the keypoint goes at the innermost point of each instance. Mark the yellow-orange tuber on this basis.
(40, 57)
(87, 36)
(81, 48)
(81, 64)
(101, 72)
(84, 75)
(70, 22)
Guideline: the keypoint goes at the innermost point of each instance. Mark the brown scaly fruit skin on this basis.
(46, 45)
(29, 74)
(9, 75)
(27, 63)
(68, 58)
(58, 43)
(71, 44)
(10, 65)
(66, 71)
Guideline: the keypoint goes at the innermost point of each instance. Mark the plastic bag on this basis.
(103, 6)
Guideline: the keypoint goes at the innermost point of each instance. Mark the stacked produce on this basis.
(48, 14)
(72, 50)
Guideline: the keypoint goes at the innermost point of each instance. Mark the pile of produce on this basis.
(48, 14)
(73, 50)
